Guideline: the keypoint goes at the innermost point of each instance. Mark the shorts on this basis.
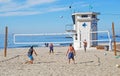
(31, 57)
(70, 55)
(51, 49)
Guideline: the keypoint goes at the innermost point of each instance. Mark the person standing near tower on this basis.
(85, 45)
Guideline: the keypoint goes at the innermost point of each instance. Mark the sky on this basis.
(51, 16)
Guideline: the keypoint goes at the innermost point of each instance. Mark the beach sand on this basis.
(92, 63)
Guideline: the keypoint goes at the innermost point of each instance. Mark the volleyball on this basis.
(117, 65)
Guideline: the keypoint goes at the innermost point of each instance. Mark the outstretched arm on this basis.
(35, 52)
(67, 52)
(74, 51)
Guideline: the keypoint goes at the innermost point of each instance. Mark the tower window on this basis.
(75, 36)
(84, 16)
(93, 16)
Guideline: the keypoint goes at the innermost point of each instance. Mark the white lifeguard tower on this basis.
(83, 24)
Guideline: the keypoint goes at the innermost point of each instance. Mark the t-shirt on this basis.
(30, 52)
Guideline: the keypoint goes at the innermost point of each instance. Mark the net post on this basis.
(114, 39)
(6, 38)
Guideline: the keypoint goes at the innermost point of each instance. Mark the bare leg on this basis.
(85, 49)
(52, 51)
(69, 61)
(73, 60)
(29, 62)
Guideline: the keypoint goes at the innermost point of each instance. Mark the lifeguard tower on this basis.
(83, 25)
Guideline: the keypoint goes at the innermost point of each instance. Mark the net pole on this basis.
(6, 37)
(114, 39)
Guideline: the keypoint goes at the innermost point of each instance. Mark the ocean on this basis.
(37, 41)
(41, 41)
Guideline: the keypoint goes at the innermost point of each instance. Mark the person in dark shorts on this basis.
(30, 55)
(51, 48)
(71, 53)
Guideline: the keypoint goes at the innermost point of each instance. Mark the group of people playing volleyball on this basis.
(70, 52)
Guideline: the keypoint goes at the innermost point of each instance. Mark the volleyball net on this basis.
(31, 39)
(57, 38)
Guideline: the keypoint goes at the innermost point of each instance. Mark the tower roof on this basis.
(86, 13)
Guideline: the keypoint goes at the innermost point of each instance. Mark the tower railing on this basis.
(69, 28)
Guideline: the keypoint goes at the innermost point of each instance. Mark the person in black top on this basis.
(30, 55)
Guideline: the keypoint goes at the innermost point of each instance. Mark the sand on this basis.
(92, 63)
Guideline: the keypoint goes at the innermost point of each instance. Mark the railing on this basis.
(69, 28)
